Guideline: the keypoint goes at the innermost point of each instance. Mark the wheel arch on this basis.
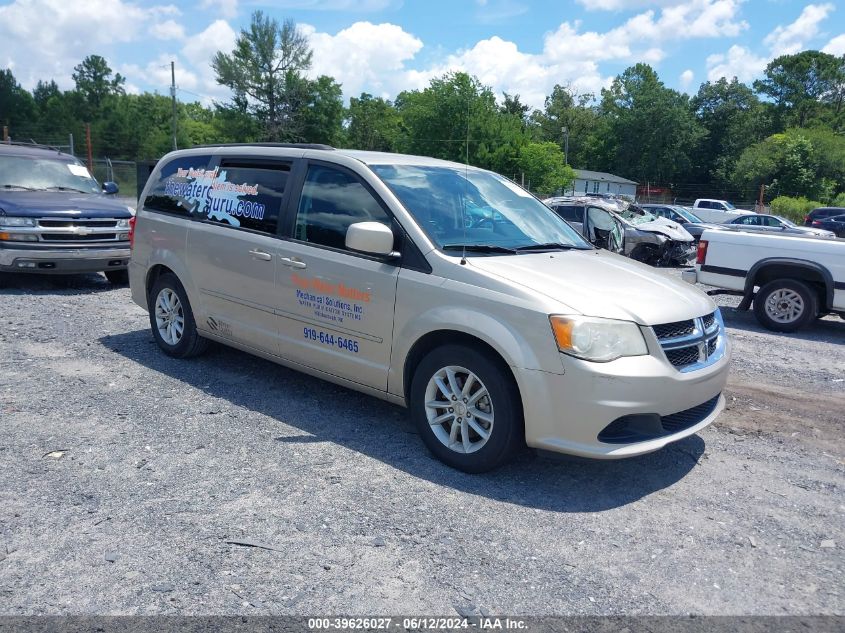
(437, 338)
(773, 268)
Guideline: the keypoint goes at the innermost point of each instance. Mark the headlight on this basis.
(10, 221)
(595, 339)
(122, 224)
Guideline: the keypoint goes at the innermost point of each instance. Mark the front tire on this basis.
(785, 305)
(467, 409)
(172, 319)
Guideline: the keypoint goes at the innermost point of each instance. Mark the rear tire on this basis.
(785, 305)
(117, 277)
(483, 427)
(172, 320)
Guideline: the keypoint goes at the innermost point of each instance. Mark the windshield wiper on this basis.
(60, 188)
(19, 187)
(557, 246)
(479, 248)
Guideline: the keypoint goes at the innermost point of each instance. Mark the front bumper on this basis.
(62, 260)
(566, 413)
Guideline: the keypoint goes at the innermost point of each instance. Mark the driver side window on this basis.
(331, 201)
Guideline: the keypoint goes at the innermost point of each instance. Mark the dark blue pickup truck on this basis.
(55, 218)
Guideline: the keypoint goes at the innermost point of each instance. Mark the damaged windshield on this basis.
(477, 210)
(636, 215)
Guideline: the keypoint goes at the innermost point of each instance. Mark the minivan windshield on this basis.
(23, 173)
(477, 210)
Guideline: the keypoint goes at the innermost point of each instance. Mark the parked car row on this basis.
(747, 221)
(627, 229)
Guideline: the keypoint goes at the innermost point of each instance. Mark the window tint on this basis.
(247, 196)
(331, 201)
(748, 219)
(571, 214)
(177, 190)
(770, 221)
(234, 194)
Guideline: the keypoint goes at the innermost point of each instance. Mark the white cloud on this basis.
(47, 38)
(199, 51)
(738, 62)
(790, 39)
(226, 8)
(686, 79)
(836, 46)
(359, 6)
(168, 30)
(365, 55)
(497, 11)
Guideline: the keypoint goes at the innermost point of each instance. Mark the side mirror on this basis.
(373, 238)
(110, 188)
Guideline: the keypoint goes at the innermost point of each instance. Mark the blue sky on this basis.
(384, 46)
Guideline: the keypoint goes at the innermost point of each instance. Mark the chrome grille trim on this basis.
(69, 231)
(700, 348)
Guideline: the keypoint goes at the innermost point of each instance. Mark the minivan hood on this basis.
(602, 284)
(61, 204)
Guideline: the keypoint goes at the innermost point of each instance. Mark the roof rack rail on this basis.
(31, 143)
(280, 145)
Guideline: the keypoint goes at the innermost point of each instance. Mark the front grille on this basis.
(674, 330)
(649, 426)
(689, 417)
(691, 344)
(76, 231)
(74, 222)
(56, 237)
(683, 356)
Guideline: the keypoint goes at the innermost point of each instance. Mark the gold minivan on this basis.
(437, 286)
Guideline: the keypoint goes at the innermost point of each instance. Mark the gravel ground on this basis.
(131, 483)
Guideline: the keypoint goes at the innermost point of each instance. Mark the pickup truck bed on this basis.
(790, 280)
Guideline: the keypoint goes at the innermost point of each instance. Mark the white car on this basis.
(718, 211)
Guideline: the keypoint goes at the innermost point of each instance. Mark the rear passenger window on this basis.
(237, 194)
(246, 195)
(570, 214)
(177, 189)
(331, 201)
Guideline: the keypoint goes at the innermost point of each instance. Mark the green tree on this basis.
(544, 169)
(372, 124)
(733, 118)
(322, 116)
(266, 68)
(802, 84)
(798, 162)
(17, 108)
(457, 118)
(563, 109)
(651, 131)
(95, 82)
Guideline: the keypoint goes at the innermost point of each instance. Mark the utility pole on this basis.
(173, 97)
(5, 133)
(762, 190)
(70, 144)
(88, 143)
(566, 145)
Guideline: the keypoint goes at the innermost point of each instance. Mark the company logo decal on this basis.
(207, 192)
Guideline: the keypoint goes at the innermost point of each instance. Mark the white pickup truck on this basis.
(790, 280)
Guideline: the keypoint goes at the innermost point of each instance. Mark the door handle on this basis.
(292, 262)
(257, 254)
